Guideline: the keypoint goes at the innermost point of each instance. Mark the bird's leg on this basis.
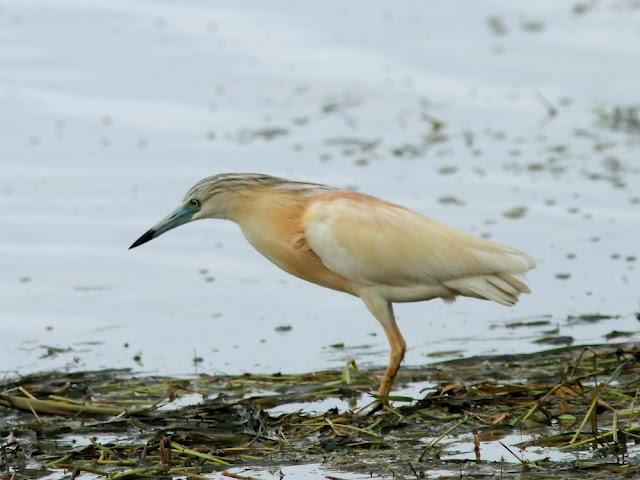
(398, 347)
(383, 311)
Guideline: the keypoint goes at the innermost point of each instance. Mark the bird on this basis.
(379, 251)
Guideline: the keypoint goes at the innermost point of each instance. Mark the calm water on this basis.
(111, 110)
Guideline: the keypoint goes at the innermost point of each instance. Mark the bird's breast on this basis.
(287, 248)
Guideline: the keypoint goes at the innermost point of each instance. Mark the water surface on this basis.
(496, 117)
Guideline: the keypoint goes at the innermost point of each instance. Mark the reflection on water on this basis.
(517, 125)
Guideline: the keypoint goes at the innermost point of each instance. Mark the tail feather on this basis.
(503, 285)
(502, 288)
(514, 282)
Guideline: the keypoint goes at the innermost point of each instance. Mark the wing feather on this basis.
(373, 242)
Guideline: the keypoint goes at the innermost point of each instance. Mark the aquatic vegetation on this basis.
(620, 118)
(556, 414)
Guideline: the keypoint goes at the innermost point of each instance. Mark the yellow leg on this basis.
(383, 311)
(398, 347)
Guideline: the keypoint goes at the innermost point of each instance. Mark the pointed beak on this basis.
(148, 235)
(180, 216)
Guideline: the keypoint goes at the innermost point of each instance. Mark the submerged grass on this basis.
(564, 413)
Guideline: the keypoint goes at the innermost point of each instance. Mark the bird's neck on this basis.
(265, 206)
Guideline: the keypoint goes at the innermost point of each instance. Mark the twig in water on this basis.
(437, 440)
(592, 407)
(237, 476)
(525, 463)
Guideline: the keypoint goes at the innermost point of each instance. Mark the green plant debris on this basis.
(590, 318)
(515, 212)
(451, 200)
(618, 334)
(533, 26)
(266, 133)
(497, 26)
(445, 353)
(448, 170)
(555, 340)
(563, 275)
(620, 118)
(361, 162)
(364, 145)
(529, 323)
(52, 352)
(283, 328)
(570, 412)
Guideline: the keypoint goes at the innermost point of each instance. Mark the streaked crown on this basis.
(242, 182)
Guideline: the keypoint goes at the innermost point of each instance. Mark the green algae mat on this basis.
(570, 412)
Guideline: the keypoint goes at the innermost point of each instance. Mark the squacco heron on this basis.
(355, 243)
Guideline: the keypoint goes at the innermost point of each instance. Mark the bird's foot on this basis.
(375, 408)
(378, 404)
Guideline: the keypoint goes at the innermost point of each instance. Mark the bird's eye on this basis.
(195, 202)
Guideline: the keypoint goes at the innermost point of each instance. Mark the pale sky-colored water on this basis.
(111, 110)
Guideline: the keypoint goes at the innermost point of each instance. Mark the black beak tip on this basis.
(148, 235)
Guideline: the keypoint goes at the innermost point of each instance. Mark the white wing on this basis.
(372, 242)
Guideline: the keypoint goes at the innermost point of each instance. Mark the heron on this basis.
(355, 243)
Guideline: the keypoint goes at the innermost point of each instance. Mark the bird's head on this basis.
(229, 196)
(213, 197)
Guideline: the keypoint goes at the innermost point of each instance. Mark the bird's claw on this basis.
(377, 406)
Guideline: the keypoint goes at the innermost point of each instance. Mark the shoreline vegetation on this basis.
(558, 413)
